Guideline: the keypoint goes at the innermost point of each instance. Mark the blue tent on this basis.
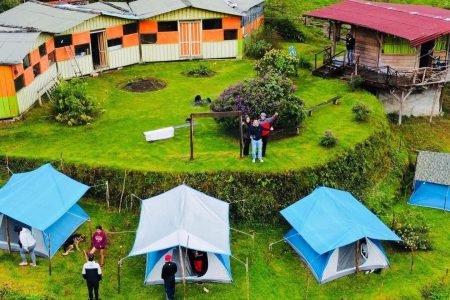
(432, 181)
(327, 226)
(45, 201)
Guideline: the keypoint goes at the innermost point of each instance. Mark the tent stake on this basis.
(49, 257)
(8, 237)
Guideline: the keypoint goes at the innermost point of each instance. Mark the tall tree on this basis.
(7, 4)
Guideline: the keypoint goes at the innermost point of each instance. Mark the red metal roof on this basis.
(416, 23)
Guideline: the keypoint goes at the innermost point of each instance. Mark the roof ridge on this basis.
(26, 29)
(375, 4)
(111, 4)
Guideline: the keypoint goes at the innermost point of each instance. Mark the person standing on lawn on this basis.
(255, 135)
(99, 242)
(168, 272)
(266, 124)
(246, 134)
(92, 273)
(27, 244)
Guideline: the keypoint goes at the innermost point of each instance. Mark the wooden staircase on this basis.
(332, 65)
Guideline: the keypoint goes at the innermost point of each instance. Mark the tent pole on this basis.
(182, 272)
(119, 265)
(357, 256)
(49, 257)
(8, 237)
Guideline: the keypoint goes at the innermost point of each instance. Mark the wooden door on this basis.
(102, 49)
(190, 39)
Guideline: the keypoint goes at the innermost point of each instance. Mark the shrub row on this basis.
(264, 193)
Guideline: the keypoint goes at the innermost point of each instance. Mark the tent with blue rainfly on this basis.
(432, 181)
(178, 222)
(332, 230)
(45, 201)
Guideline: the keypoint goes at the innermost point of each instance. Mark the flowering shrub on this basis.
(413, 230)
(271, 93)
(277, 61)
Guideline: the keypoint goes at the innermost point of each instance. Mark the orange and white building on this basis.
(40, 42)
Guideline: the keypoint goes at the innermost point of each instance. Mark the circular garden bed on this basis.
(142, 85)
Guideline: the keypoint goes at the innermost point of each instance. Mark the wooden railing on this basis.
(327, 57)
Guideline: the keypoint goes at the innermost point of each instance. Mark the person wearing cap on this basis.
(266, 125)
(27, 244)
(168, 272)
(92, 273)
(99, 242)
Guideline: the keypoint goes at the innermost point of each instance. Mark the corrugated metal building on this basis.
(41, 42)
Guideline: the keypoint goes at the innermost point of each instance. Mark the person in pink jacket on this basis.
(99, 242)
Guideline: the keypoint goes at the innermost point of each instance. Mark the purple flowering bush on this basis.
(270, 93)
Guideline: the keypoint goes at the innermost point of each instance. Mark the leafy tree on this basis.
(277, 61)
(8, 4)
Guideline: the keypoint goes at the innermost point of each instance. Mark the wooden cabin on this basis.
(41, 43)
(401, 51)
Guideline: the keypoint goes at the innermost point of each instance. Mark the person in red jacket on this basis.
(99, 242)
(266, 124)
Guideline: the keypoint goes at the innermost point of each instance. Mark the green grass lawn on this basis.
(116, 138)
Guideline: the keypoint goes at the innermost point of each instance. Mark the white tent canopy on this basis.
(183, 217)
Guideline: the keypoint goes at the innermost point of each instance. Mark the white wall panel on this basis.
(123, 57)
(66, 68)
(160, 52)
(223, 49)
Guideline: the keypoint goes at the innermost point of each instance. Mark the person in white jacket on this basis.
(27, 244)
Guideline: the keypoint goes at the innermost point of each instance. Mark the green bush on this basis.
(271, 93)
(328, 140)
(356, 83)
(200, 71)
(257, 49)
(361, 111)
(8, 4)
(71, 105)
(286, 29)
(435, 291)
(304, 63)
(277, 61)
(411, 227)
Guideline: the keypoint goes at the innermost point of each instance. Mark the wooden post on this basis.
(247, 278)
(49, 257)
(357, 256)
(8, 237)
(241, 138)
(182, 271)
(191, 134)
(119, 265)
(307, 282)
(434, 103)
(107, 194)
(123, 190)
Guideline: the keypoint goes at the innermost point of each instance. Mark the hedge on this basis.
(264, 194)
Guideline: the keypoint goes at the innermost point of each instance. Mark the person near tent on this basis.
(246, 134)
(99, 242)
(27, 244)
(255, 136)
(200, 262)
(267, 127)
(350, 46)
(92, 273)
(168, 272)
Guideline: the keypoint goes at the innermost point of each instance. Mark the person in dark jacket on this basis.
(267, 128)
(168, 272)
(350, 46)
(255, 136)
(92, 273)
(246, 134)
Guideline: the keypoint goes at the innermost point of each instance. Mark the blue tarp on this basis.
(328, 219)
(41, 197)
(431, 195)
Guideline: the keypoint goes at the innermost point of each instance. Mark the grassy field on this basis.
(116, 138)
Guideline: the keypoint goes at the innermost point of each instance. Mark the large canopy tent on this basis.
(432, 181)
(332, 232)
(178, 221)
(45, 201)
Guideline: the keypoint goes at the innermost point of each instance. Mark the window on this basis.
(148, 38)
(441, 44)
(37, 70)
(397, 46)
(26, 61)
(51, 58)
(115, 44)
(167, 26)
(212, 24)
(130, 28)
(42, 50)
(82, 50)
(230, 34)
(63, 40)
(18, 83)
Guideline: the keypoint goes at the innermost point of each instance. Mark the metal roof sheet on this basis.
(416, 23)
(44, 17)
(433, 167)
(14, 46)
